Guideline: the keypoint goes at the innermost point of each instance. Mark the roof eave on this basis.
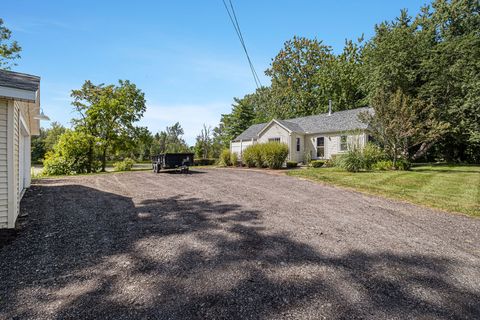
(18, 94)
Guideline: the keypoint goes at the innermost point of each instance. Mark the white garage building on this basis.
(19, 120)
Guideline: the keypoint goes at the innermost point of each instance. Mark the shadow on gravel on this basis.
(91, 254)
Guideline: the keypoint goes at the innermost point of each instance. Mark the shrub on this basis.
(249, 156)
(317, 163)
(71, 155)
(403, 164)
(332, 162)
(292, 164)
(233, 159)
(253, 156)
(352, 161)
(383, 165)
(54, 165)
(371, 154)
(273, 154)
(125, 165)
(307, 156)
(204, 162)
(224, 160)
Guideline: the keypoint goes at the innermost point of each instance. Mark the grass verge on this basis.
(452, 188)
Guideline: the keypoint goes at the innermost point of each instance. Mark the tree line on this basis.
(420, 74)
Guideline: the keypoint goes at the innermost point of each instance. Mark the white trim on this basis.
(268, 125)
(21, 94)
(24, 124)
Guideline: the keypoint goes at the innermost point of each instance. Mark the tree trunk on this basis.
(422, 150)
(90, 158)
(104, 159)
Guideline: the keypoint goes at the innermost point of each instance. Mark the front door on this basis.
(320, 147)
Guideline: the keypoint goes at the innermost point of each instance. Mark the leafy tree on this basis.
(108, 113)
(293, 72)
(52, 135)
(38, 146)
(9, 49)
(402, 124)
(203, 145)
(45, 141)
(241, 117)
(170, 140)
(143, 139)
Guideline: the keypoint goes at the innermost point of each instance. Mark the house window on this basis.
(343, 143)
(273, 139)
(298, 144)
(320, 147)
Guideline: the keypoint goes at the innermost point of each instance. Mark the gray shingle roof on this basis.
(251, 132)
(336, 122)
(19, 80)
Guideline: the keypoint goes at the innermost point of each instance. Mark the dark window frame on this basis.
(343, 144)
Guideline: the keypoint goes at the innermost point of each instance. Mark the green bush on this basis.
(249, 156)
(352, 161)
(54, 165)
(71, 155)
(233, 159)
(292, 164)
(317, 163)
(371, 154)
(403, 164)
(383, 165)
(274, 154)
(307, 155)
(253, 156)
(125, 165)
(204, 162)
(224, 160)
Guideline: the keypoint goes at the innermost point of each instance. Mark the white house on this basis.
(321, 135)
(19, 120)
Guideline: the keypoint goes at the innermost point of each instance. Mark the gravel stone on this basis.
(233, 244)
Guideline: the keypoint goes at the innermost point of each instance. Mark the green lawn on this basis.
(451, 188)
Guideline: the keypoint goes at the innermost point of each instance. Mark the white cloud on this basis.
(191, 117)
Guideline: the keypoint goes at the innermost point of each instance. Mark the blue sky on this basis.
(183, 54)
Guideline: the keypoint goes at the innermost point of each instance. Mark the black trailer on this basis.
(176, 161)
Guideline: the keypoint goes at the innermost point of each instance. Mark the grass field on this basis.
(451, 188)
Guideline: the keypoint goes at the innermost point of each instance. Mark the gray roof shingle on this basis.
(19, 80)
(338, 121)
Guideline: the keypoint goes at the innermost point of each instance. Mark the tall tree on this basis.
(108, 113)
(293, 72)
(406, 127)
(9, 49)
(203, 145)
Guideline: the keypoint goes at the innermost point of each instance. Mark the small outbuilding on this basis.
(19, 121)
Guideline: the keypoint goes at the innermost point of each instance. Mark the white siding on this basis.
(332, 142)
(238, 147)
(297, 156)
(276, 131)
(16, 136)
(3, 165)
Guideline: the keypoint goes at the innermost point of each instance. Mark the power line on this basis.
(236, 26)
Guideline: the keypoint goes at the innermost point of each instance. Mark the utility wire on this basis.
(236, 26)
(243, 43)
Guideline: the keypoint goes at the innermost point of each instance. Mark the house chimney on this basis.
(329, 107)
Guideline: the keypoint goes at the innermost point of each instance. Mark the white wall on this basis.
(3, 165)
(238, 147)
(332, 142)
(15, 158)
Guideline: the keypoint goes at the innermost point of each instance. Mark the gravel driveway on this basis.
(233, 244)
